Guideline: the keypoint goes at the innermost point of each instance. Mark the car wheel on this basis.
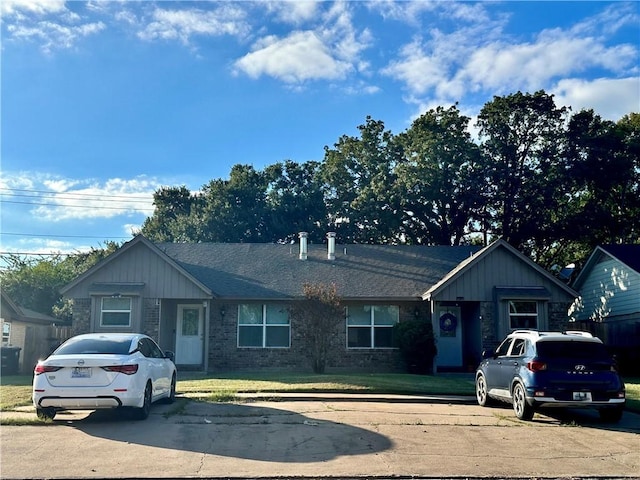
(143, 412)
(45, 413)
(522, 409)
(612, 415)
(481, 391)
(172, 392)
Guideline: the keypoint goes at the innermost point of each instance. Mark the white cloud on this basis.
(609, 98)
(47, 22)
(183, 24)
(54, 35)
(482, 59)
(293, 11)
(54, 198)
(39, 7)
(108, 199)
(501, 67)
(419, 71)
(299, 57)
(412, 12)
(331, 51)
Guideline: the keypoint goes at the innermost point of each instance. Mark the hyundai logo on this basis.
(580, 368)
(80, 362)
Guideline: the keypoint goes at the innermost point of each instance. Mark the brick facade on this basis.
(81, 318)
(224, 354)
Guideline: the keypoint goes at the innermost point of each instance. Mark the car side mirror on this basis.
(487, 354)
(170, 355)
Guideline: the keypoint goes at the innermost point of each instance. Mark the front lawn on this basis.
(346, 383)
(15, 391)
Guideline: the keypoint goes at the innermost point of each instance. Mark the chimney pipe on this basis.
(331, 246)
(303, 245)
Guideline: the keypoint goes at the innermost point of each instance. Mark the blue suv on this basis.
(533, 370)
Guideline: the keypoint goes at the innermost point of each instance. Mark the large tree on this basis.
(35, 282)
(522, 139)
(295, 202)
(603, 180)
(171, 205)
(360, 181)
(438, 179)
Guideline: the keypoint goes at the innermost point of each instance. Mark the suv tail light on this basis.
(126, 369)
(536, 366)
(40, 369)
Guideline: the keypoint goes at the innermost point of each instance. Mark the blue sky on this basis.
(105, 102)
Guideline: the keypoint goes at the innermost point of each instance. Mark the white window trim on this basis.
(523, 315)
(264, 325)
(102, 311)
(372, 326)
(8, 335)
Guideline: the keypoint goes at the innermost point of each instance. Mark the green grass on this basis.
(15, 391)
(633, 393)
(351, 383)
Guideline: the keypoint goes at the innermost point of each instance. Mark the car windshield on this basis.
(119, 346)
(564, 349)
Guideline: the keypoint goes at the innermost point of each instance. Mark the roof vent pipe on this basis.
(303, 245)
(331, 246)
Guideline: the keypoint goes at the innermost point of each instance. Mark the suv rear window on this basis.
(95, 346)
(572, 349)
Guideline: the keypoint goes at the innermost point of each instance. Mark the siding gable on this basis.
(497, 266)
(140, 264)
(609, 288)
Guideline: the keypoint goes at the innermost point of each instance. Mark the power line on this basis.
(78, 194)
(40, 254)
(66, 196)
(77, 206)
(105, 237)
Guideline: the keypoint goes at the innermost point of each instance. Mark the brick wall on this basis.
(151, 318)
(81, 318)
(224, 353)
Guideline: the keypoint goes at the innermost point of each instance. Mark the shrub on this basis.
(415, 340)
(318, 315)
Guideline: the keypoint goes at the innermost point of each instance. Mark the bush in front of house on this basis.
(417, 345)
(318, 315)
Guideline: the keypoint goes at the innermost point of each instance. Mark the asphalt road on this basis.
(322, 438)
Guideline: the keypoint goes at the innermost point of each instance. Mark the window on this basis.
(6, 333)
(503, 349)
(95, 346)
(149, 349)
(263, 326)
(523, 314)
(115, 312)
(371, 326)
(519, 347)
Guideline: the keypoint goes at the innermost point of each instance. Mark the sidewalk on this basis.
(28, 412)
(354, 436)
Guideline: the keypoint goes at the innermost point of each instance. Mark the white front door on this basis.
(189, 335)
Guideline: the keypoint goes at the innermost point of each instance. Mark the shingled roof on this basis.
(271, 271)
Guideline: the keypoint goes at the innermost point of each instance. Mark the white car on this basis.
(104, 370)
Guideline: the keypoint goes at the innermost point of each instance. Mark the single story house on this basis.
(225, 306)
(27, 335)
(609, 301)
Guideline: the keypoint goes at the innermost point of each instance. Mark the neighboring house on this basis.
(225, 306)
(609, 302)
(34, 334)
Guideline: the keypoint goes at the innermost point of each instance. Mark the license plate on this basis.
(582, 396)
(80, 372)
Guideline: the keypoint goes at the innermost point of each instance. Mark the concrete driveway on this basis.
(322, 437)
